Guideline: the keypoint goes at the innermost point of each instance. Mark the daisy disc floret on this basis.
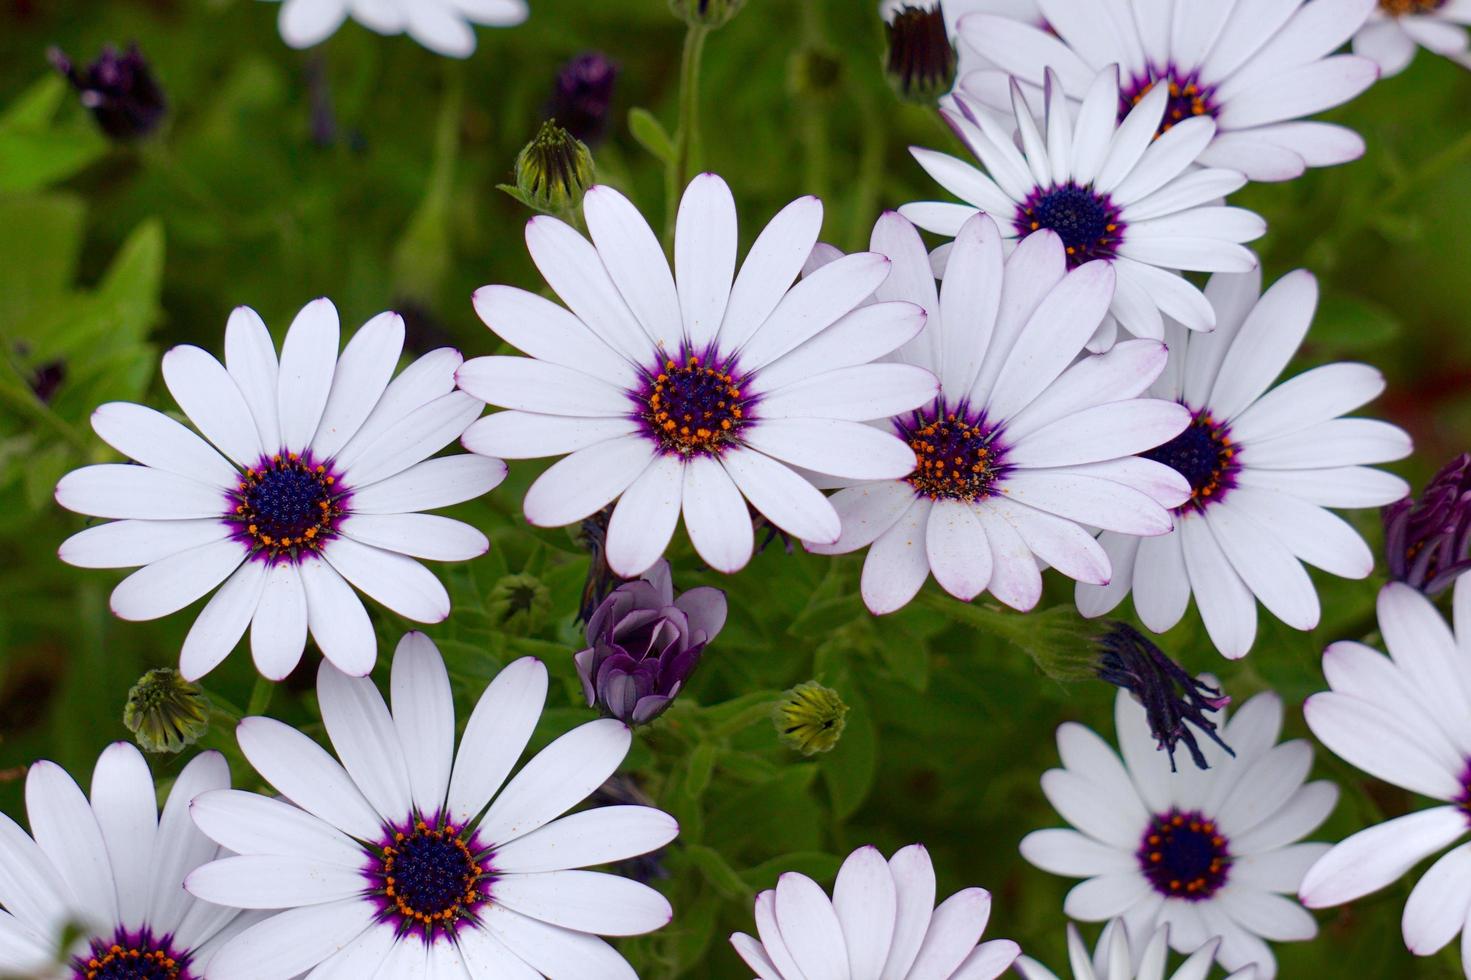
(1026, 445)
(106, 875)
(409, 852)
(1109, 190)
(1405, 719)
(702, 391)
(881, 921)
(1211, 853)
(1115, 958)
(1264, 464)
(1254, 70)
(1396, 29)
(302, 478)
(442, 26)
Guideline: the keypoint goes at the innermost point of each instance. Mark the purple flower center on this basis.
(1188, 97)
(428, 878)
(286, 506)
(1205, 456)
(694, 406)
(1184, 855)
(1086, 221)
(132, 956)
(960, 456)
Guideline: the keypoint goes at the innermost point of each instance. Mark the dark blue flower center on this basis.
(693, 407)
(131, 957)
(1086, 221)
(430, 877)
(1184, 855)
(959, 457)
(287, 505)
(1188, 97)
(1204, 455)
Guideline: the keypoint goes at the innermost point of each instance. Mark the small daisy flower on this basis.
(1263, 466)
(392, 857)
(110, 873)
(698, 391)
(442, 26)
(881, 921)
(1025, 445)
(1208, 853)
(1112, 192)
(1397, 28)
(1405, 719)
(1114, 959)
(306, 474)
(1256, 69)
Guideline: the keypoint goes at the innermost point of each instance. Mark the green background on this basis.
(110, 255)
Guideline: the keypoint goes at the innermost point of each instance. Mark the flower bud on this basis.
(643, 644)
(553, 171)
(707, 13)
(1171, 697)
(120, 90)
(166, 713)
(582, 96)
(921, 59)
(1426, 541)
(810, 718)
(519, 604)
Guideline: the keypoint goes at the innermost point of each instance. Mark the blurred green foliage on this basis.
(366, 171)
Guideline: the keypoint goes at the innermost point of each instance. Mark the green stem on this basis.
(260, 697)
(15, 391)
(687, 135)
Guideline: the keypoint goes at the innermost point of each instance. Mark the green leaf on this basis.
(816, 865)
(1347, 324)
(721, 876)
(848, 770)
(34, 153)
(651, 134)
(701, 765)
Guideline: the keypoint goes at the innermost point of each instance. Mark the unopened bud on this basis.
(553, 171)
(810, 718)
(166, 713)
(921, 59)
(519, 604)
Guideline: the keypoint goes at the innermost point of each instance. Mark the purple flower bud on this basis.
(120, 90)
(643, 644)
(1171, 697)
(1426, 541)
(582, 96)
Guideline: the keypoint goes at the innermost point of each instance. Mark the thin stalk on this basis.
(687, 135)
(260, 697)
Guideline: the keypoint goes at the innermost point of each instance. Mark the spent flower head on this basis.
(166, 713)
(119, 89)
(583, 94)
(1427, 541)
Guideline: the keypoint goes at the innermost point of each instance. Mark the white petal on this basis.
(414, 438)
(263, 881)
(572, 267)
(811, 306)
(418, 535)
(1060, 543)
(1224, 601)
(431, 484)
(635, 261)
(398, 582)
(955, 549)
(208, 395)
(362, 375)
(278, 630)
(558, 778)
(897, 564)
(591, 837)
(1265, 565)
(866, 901)
(304, 23)
(1335, 443)
(119, 490)
(705, 239)
(775, 259)
(866, 512)
(1372, 858)
(954, 931)
(1367, 737)
(172, 583)
(222, 621)
(127, 814)
(128, 544)
(1437, 908)
(555, 951)
(1312, 397)
(288, 944)
(645, 518)
(857, 394)
(64, 826)
(536, 326)
(864, 335)
(810, 928)
(1106, 896)
(337, 620)
(363, 733)
(1103, 432)
(248, 823)
(1067, 852)
(836, 447)
(431, 376)
(155, 440)
(715, 516)
(914, 877)
(783, 497)
(1087, 500)
(1266, 341)
(424, 715)
(587, 901)
(582, 483)
(308, 359)
(1015, 578)
(303, 772)
(180, 846)
(495, 736)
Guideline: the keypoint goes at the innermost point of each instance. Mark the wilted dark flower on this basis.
(553, 171)
(47, 378)
(166, 713)
(120, 90)
(643, 644)
(582, 96)
(921, 58)
(810, 718)
(1171, 697)
(519, 603)
(1427, 540)
(601, 579)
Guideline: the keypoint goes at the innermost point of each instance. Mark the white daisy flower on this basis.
(1112, 192)
(311, 479)
(1263, 466)
(393, 858)
(1026, 444)
(1207, 852)
(1256, 68)
(442, 26)
(1396, 28)
(694, 393)
(881, 921)
(109, 874)
(1114, 959)
(1405, 719)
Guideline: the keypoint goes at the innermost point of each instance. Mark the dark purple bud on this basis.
(1426, 541)
(1171, 697)
(583, 96)
(643, 643)
(120, 90)
(47, 378)
(921, 60)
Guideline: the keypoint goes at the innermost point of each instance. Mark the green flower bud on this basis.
(553, 171)
(166, 713)
(707, 13)
(519, 604)
(921, 59)
(810, 718)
